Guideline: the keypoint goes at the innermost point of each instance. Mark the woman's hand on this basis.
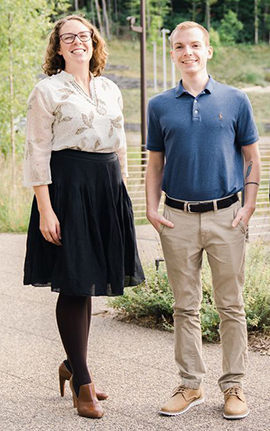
(50, 226)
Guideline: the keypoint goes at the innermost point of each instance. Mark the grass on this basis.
(261, 108)
(239, 66)
(15, 200)
(151, 303)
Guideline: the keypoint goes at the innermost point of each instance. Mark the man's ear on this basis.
(210, 50)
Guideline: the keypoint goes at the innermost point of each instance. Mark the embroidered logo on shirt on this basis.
(220, 116)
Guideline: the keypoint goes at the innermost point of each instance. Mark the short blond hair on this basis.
(191, 24)
(54, 62)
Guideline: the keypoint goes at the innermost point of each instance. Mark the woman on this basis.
(81, 238)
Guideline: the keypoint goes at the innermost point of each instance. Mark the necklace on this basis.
(99, 104)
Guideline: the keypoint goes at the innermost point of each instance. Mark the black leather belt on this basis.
(201, 207)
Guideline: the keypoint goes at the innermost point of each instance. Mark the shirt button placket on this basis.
(195, 110)
(196, 115)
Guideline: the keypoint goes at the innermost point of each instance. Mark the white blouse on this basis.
(61, 115)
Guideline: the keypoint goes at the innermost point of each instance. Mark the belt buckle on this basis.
(190, 203)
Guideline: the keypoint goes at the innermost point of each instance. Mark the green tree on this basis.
(194, 5)
(208, 5)
(156, 11)
(266, 20)
(23, 28)
(256, 21)
(215, 41)
(230, 28)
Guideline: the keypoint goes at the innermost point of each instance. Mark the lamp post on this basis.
(164, 31)
(155, 64)
(173, 73)
(141, 30)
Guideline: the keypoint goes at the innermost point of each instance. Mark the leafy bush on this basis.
(257, 287)
(154, 299)
(215, 40)
(15, 200)
(267, 76)
(230, 28)
(251, 77)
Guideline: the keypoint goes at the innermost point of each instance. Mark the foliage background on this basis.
(23, 40)
(152, 302)
(239, 32)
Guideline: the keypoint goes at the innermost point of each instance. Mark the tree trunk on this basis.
(110, 12)
(193, 10)
(11, 99)
(92, 13)
(256, 23)
(116, 17)
(148, 16)
(76, 4)
(207, 14)
(105, 18)
(99, 17)
(237, 8)
(265, 26)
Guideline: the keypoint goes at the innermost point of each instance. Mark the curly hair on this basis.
(55, 63)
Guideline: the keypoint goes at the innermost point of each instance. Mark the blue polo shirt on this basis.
(202, 138)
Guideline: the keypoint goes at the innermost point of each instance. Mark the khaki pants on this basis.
(183, 247)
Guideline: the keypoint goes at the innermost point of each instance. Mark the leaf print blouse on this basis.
(61, 115)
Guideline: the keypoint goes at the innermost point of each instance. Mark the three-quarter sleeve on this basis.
(122, 156)
(122, 150)
(39, 137)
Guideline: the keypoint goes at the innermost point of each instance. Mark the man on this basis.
(205, 131)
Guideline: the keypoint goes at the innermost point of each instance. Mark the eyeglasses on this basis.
(84, 36)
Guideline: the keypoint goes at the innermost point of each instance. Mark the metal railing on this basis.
(260, 222)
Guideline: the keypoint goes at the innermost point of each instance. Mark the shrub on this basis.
(251, 78)
(215, 41)
(267, 77)
(154, 299)
(15, 200)
(230, 28)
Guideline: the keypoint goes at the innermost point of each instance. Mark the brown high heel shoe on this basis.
(65, 374)
(87, 403)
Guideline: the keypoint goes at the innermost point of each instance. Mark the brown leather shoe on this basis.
(87, 403)
(235, 403)
(182, 399)
(65, 374)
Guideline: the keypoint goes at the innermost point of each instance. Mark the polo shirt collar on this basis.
(180, 90)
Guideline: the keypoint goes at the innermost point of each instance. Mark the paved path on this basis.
(257, 89)
(135, 365)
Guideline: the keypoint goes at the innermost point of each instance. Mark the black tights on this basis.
(73, 314)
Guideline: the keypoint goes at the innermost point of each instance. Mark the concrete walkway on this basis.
(135, 365)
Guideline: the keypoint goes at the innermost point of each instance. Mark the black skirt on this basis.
(99, 254)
